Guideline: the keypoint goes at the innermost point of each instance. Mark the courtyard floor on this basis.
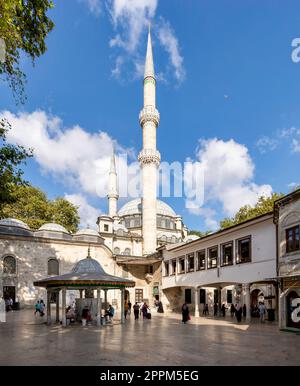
(164, 340)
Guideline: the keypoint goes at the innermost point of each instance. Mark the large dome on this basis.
(135, 207)
(13, 222)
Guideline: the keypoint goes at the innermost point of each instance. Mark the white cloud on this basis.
(290, 136)
(88, 214)
(266, 144)
(228, 177)
(76, 157)
(130, 20)
(94, 6)
(169, 41)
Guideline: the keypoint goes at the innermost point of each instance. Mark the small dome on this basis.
(53, 227)
(191, 238)
(87, 232)
(13, 222)
(135, 207)
(88, 265)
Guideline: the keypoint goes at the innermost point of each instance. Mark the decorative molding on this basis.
(149, 113)
(148, 156)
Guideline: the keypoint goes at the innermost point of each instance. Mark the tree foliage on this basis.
(198, 233)
(32, 206)
(24, 26)
(11, 157)
(263, 205)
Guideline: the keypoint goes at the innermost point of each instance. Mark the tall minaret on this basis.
(149, 157)
(113, 188)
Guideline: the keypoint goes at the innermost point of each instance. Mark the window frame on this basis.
(208, 256)
(294, 247)
(137, 295)
(198, 260)
(58, 266)
(172, 265)
(188, 257)
(180, 259)
(238, 241)
(222, 254)
(15, 265)
(167, 270)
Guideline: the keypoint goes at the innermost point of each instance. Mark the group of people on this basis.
(39, 307)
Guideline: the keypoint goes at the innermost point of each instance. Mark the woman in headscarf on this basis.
(185, 313)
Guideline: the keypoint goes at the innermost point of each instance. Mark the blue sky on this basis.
(227, 91)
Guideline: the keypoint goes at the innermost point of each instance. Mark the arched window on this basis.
(9, 265)
(127, 251)
(116, 250)
(53, 267)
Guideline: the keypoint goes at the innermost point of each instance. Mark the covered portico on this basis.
(86, 276)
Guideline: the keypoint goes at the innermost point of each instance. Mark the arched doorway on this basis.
(257, 296)
(290, 307)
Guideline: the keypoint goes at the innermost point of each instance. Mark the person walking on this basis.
(205, 310)
(136, 311)
(215, 309)
(37, 307)
(232, 310)
(185, 313)
(144, 310)
(262, 310)
(160, 308)
(42, 308)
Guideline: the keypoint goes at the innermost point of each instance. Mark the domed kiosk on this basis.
(87, 275)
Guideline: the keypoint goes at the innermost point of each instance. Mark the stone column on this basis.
(105, 298)
(98, 307)
(246, 297)
(197, 302)
(57, 307)
(219, 300)
(63, 318)
(122, 305)
(48, 307)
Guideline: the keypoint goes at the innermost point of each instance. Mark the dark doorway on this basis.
(290, 308)
(188, 295)
(9, 291)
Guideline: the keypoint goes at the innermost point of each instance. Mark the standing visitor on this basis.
(129, 308)
(262, 310)
(232, 310)
(244, 311)
(205, 310)
(144, 310)
(125, 309)
(136, 310)
(215, 309)
(160, 308)
(185, 313)
(223, 309)
(238, 312)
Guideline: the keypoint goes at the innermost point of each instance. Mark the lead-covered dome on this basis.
(87, 232)
(53, 227)
(88, 265)
(135, 207)
(13, 222)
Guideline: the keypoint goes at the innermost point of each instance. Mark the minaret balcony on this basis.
(148, 156)
(149, 113)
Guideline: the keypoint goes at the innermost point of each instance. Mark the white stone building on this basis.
(287, 220)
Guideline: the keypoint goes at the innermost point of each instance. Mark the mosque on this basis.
(147, 243)
(126, 241)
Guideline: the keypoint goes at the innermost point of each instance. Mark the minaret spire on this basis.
(113, 187)
(149, 157)
(149, 65)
